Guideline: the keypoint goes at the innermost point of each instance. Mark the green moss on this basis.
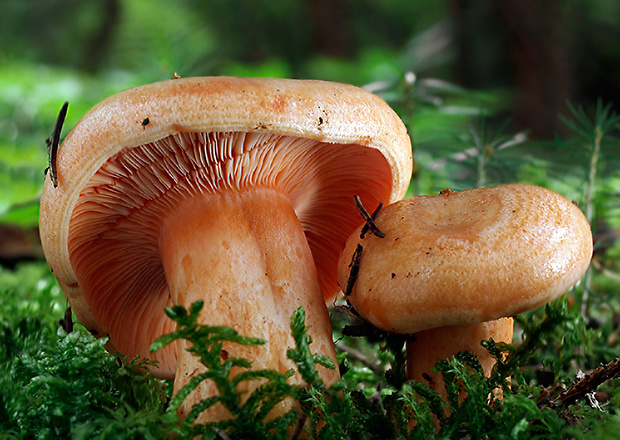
(68, 386)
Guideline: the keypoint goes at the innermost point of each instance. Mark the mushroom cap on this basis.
(123, 165)
(467, 257)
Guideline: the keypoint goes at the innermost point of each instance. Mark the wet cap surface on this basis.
(468, 257)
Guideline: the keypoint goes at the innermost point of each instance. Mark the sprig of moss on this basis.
(248, 416)
(302, 356)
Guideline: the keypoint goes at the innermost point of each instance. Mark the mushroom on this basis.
(233, 191)
(453, 268)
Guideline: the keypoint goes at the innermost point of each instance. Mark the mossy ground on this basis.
(59, 385)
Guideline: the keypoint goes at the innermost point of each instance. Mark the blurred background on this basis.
(491, 91)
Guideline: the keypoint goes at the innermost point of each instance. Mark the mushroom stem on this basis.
(244, 253)
(431, 346)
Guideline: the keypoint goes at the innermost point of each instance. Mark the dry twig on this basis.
(369, 219)
(360, 357)
(355, 268)
(53, 143)
(585, 386)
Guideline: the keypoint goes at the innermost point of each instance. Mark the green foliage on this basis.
(301, 355)
(248, 416)
(72, 383)
(30, 99)
(480, 416)
(53, 391)
(342, 411)
(55, 385)
(73, 387)
(29, 298)
(530, 374)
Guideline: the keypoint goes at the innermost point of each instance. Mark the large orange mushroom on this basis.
(453, 268)
(228, 190)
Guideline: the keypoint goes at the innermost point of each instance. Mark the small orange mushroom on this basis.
(232, 191)
(453, 268)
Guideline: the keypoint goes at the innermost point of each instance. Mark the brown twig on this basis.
(221, 434)
(348, 310)
(360, 357)
(67, 321)
(369, 219)
(53, 143)
(366, 227)
(298, 427)
(588, 384)
(365, 329)
(355, 268)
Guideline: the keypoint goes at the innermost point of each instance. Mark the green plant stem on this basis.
(482, 153)
(410, 85)
(481, 169)
(589, 208)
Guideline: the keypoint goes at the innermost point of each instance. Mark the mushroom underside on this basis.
(116, 225)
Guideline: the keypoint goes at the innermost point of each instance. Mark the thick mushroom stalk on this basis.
(233, 191)
(431, 346)
(450, 264)
(245, 254)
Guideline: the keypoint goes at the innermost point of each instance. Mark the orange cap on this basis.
(467, 257)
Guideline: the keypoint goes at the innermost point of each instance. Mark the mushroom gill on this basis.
(125, 201)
